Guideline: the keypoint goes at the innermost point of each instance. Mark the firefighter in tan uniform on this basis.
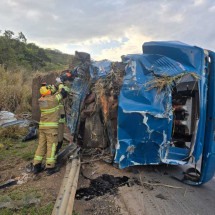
(48, 129)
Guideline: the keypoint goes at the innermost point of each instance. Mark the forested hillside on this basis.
(16, 53)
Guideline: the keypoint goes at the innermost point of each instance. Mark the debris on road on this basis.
(8, 183)
(100, 186)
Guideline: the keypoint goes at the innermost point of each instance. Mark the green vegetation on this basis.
(13, 150)
(20, 62)
(16, 53)
(26, 199)
(15, 91)
(36, 210)
(22, 198)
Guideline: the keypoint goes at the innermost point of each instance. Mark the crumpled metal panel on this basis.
(100, 69)
(145, 116)
(80, 87)
(208, 158)
(191, 57)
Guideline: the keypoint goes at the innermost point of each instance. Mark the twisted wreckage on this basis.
(151, 108)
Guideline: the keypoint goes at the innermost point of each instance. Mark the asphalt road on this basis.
(158, 198)
(156, 194)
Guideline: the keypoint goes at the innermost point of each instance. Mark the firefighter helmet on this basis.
(44, 91)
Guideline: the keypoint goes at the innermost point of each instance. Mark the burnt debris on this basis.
(100, 186)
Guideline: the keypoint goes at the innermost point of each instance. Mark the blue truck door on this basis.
(208, 158)
(193, 58)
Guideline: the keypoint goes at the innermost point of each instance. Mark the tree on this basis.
(22, 37)
(15, 52)
(8, 34)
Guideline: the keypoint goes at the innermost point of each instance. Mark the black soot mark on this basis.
(100, 186)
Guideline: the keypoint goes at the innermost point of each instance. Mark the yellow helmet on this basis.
(44, 91)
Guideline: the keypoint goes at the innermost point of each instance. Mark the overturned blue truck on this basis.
(153, 108)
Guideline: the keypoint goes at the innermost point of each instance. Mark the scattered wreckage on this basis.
(8, 119)
(151, 108)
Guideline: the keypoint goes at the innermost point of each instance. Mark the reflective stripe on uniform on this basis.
(58, 97)
(51, 110)
(63, 86)
(62, 120)
(38, 158)
(60, 86)
(50, 160)
(48, 124)
(53, 157)
(53, 150)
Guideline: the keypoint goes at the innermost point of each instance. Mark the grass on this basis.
(41, 210)
(15, 91)
(15, 96)
(13, 132)
(24, 196)
(15, 150)
(12, 145)
(20, 194)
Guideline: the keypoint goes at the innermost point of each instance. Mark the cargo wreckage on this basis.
(151, 108)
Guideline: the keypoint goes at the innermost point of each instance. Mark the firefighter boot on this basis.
(37, 168)
(53, 170)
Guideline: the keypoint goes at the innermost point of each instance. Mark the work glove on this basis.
(64, 93)
(58, 80)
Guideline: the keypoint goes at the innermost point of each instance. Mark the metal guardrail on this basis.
(65, 200)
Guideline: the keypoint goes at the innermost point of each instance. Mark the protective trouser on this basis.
(47, 146)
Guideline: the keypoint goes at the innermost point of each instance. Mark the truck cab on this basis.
(166, 109)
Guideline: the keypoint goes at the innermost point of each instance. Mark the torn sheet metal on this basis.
(145, 116)
(194, 59)
(80, 86)
(100, 69)
(79, 89)
(6, 117)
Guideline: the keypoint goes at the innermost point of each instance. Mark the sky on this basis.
(108, 29)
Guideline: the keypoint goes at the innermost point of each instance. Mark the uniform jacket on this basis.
(49, 107)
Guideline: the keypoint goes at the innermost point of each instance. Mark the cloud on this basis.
(98, 26)
(33, 15)
(130, 46)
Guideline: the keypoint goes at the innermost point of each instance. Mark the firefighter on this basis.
(48, 128)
